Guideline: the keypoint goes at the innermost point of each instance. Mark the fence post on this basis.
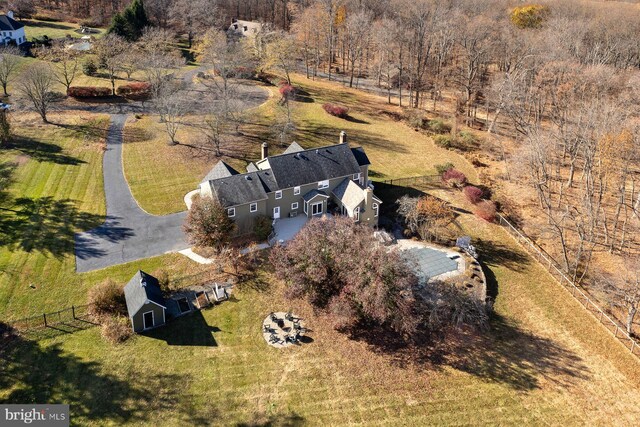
(44, 316)
(616, 333)
(73, 311)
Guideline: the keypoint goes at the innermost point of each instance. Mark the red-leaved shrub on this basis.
(88, 92)
(134, 89)
(336, 110)
(473, 194)
(454, 178)
(486, 210)
(287, 91)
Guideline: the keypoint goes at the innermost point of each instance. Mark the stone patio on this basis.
(285, 229)
(279, 333)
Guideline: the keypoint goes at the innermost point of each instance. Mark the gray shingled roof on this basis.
(305, 167)
(9, 24)
(349, 193)
(313, 193)
(251, 167)
(293, 148)
(240, 189)
(137, 295)
(220, 170)
(361, 156)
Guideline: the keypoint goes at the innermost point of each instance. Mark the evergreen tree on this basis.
(120, 26)
(131, 22)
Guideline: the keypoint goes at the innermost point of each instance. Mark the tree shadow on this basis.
(352, 119)
(46, 373)
(90, 130)
(43, 151)
(46, 24)
(86, 243)
(189, 330)
(498, 254)
(287, 420)
(43, 224)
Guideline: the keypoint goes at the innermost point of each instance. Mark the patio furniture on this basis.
(289, 316)
(273, 317)
(266, 328)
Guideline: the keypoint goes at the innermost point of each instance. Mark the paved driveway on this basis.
(128, 233)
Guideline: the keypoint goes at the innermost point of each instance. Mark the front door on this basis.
(316, 209)
(276, 212)
(148, 319)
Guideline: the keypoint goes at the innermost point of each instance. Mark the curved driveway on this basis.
(128, 233)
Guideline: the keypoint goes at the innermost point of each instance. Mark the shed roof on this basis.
(141, 288)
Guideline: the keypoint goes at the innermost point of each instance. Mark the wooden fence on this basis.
(413, 180)
(612, 325)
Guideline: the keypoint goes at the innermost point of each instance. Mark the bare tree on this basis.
(36, 85)
(172, 106)
(623, 290)
(9, 60)
(280, 54)
(66, 62)
(108, 49)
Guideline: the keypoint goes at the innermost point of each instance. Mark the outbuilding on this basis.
(145, 303)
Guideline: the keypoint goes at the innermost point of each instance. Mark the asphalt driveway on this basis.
(128, 233)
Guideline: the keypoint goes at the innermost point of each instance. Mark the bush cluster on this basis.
(134, 89)
(444, 141)
(486, 210)
(473, 194)
(442, 168)
(438, 126)
(287, 91)
(116, 329)
(88, 92)
(107, 299)
(454, 178)
(262, 227)
(336, 110)
(89, 68)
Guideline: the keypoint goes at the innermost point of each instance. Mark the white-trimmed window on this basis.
(323, 184)
(296, 191)
(356, 177)
(375, 209)
(278, 194)
(231, 212)
(356, 214)
(294, 205)
(253, 207)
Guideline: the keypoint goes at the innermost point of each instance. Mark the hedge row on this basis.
(137, 88)
(336, 110)
(88, 92)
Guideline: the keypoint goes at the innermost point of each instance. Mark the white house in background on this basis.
(11, 30)
(239, 28)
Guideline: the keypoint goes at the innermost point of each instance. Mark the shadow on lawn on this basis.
(287, 420)
(43, 151)
(189, 330)
(43, 24)
(43, 224)
(48, 374)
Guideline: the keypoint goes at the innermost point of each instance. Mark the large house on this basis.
(11, 31)
(332, 179)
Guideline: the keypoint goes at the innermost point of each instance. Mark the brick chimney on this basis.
(265, 150)
(343, 137)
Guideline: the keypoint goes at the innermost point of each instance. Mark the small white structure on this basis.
(11, 31)
(239, 28)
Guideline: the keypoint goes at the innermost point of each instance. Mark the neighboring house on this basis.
(11, 31)
(240, 28)
(145, 303)
(332, 179)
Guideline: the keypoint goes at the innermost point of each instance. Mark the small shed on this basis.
(145, 303)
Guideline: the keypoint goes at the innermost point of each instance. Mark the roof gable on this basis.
(9, 24)
(137, 295)
(293, 148)
(349, 193)
(361, 156)
(220, 170)
(240, 189)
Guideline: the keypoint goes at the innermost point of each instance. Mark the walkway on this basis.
(128, 233)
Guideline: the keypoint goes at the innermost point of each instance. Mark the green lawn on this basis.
(160, 175)
(54, 30)
(57, 190)
(545, 362)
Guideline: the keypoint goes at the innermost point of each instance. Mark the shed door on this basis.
(148, 319)
(276, 212)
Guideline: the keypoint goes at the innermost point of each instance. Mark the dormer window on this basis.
(323, 184)
(278, 194)
(296, 191)
(356, 177)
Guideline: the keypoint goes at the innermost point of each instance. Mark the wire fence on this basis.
(413, 180)
(614, 326)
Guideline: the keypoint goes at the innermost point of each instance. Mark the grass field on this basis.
(54, 30)
(544, 362)
(57, 190)
(160, 175)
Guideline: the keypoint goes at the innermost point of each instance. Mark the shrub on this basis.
(336, 110)
(442, 168)
(454, 178)
(443, 141)
(438, 126)
(208, 224)
(89, 67)
(116, 329)
(486, 210)
(473, 194)
(427, 216)
(467, 138)
(416, 119)
(107, 299)
(88, 92)
(134, 89)
(529, 16)
(5, 127)
(262, 227)
(164, 281)
(287, 91)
